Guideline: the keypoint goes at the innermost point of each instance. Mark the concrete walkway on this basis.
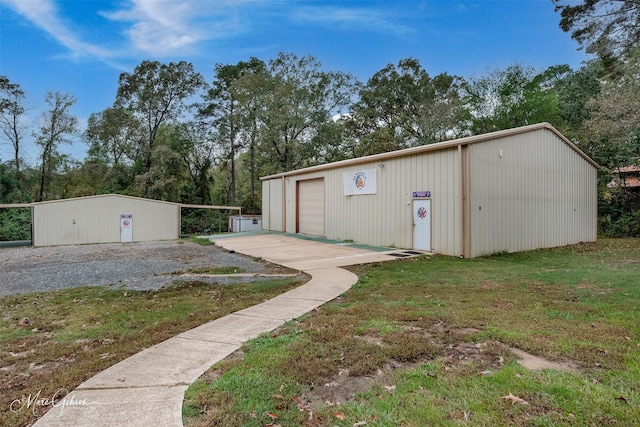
(147, 389)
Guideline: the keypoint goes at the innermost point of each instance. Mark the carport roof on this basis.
(182, 205)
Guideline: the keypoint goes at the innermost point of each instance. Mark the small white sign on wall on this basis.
(360, 182)
(126, 228)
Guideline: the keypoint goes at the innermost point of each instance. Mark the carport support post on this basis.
(33, 243)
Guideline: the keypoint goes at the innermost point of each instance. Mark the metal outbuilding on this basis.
(506, 191)
(104, 219)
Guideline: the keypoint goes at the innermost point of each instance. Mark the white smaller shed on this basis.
(245, 223)
(104, 219)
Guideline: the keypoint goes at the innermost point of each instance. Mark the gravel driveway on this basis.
(139, 266)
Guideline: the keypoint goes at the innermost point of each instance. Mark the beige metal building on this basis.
(103, 219)
(506, 191)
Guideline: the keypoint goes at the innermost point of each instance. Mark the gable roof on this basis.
(438, 146)
(99, 196)
(121, 196)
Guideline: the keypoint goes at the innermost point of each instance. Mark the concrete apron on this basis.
(147, 389)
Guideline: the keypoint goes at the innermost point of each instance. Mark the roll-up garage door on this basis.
(310, 210)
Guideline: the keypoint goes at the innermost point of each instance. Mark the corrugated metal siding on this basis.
(385, 218)
(275, 205)
(97, 220)
(540, 193)
(266, 210)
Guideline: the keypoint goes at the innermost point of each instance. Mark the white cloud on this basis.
(357, 19)
(165, 27)
(162, 28)
(43, 14)
(155, 27)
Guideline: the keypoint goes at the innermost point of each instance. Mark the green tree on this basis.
(114, 137)
(231, 114)
(57, 125)
(250, 199)
(168, 174)
(79, 179)
(155, 94)
(249, 90)
(194, 142)
(612, 133)
(12, 109)
(575, 90)
(9, 187)
(402, 106)
(333, 142)
(292, 101)
(165, 179)
(513, 97)
(611, 136)
(279, 114)
(15, 223)
(607, 28)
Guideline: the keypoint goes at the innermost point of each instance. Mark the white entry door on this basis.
(126, 228)
(422, 224)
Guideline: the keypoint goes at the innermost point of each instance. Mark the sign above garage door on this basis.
(360, 182)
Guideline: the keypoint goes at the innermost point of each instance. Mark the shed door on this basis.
(310, 212)
(126, 228)
(422, 224)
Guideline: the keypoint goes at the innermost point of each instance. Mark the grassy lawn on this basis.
(56, 340)
(428, 341)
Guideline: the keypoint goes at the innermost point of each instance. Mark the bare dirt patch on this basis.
(485, 357)
(344, 389)
(465, 331)
(536, 363)
(593, 289)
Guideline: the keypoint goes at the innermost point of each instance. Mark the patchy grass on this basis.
(427, 341)
(56, 340)
(203, 241)
(211, 270)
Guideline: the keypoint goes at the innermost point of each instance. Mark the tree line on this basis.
(173, 136)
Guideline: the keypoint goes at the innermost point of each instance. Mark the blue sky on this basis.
(81, 46)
